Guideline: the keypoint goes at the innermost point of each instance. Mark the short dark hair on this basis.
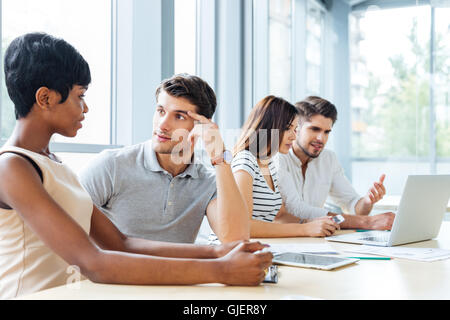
(36, 60)
(314, 105)
(192, 88)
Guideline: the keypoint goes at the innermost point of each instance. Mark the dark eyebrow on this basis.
(175, 111)
(318, 128)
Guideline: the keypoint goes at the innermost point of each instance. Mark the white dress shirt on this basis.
(324, 177)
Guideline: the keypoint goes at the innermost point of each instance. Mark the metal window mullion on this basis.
(167, 38)
(80, 147)
(323, 41)
(148, 65)
(113, 74)
(248, 56)
(1, 70)
(76, 147)
(198, 38)
(294, 60)
(299, 50)
(261, 49)
(229, 55)
(433, 155)
(205, 41)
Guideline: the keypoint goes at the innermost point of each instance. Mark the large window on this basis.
(185, 36)
(295, 42)
(441, 86)
(315, 24)
(400, 71)
(280, 52)
(87, 26)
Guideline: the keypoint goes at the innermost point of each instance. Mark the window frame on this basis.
(298, 48)
(83, 147)
(318, 5)
(141, 56)
(433, 159)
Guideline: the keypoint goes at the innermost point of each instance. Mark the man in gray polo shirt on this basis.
(147, 192)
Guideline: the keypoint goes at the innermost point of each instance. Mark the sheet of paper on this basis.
(420, 254)
(319, 248)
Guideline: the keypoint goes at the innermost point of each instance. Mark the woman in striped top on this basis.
(267, 200)
(270, 128)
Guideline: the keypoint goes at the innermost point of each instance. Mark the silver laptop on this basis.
(418, 218)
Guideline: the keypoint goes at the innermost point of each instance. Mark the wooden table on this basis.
(367, 279)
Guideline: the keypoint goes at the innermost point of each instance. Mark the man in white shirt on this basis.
(309, 174)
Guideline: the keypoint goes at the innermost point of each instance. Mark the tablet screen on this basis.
(311, 260)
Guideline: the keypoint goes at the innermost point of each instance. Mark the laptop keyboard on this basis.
(381, 237)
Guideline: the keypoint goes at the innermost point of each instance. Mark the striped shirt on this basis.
(266, 202)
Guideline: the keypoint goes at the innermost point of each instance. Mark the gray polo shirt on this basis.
(143, 200)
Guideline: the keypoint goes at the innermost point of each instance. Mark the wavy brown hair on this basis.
(270, 117)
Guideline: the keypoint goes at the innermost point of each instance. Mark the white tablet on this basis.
(311, 260)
